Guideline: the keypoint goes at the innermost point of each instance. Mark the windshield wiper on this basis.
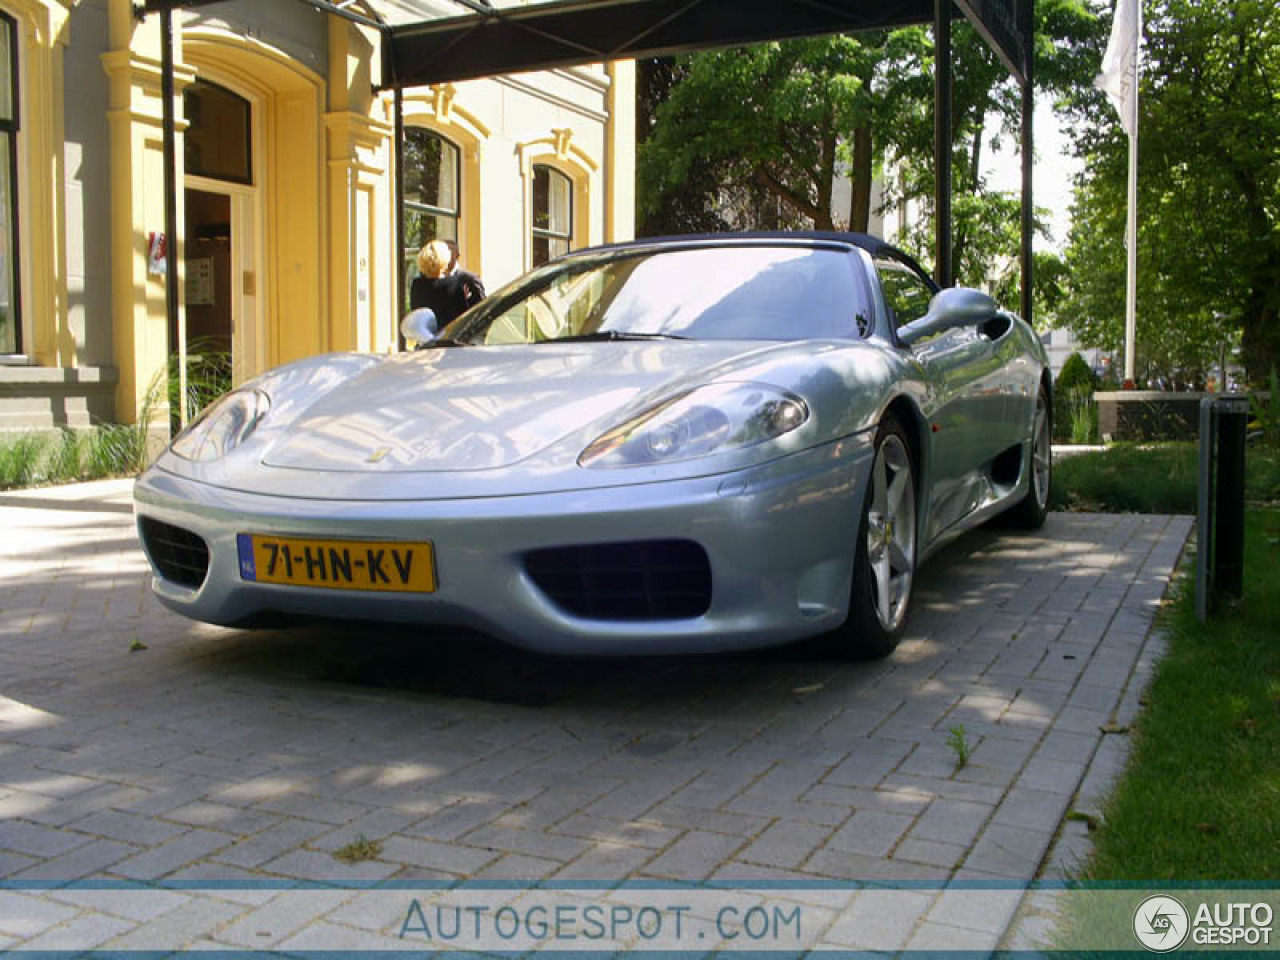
(442, 342)
(604, 335)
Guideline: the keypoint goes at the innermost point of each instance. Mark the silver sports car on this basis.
(695, 443)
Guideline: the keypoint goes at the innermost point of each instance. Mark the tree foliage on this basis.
(771, 124)
(1209, 193)
(754, 135)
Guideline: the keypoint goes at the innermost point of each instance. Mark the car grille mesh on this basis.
(179, 555)
(641, 580)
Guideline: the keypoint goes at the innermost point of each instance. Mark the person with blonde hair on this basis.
(444, 290)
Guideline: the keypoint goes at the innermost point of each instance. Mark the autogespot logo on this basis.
(1160, 923)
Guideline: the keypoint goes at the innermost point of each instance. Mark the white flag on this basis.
(1119, 76)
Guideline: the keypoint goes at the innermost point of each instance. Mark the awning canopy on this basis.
(436, 41)
(557, 33)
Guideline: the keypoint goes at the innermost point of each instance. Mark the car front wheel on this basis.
(884, 563)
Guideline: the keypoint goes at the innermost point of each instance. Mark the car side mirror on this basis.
(420, 325)
(950, 308)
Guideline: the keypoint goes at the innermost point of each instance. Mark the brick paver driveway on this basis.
(217, 753)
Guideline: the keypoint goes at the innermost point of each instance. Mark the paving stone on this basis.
(952, 821)
(880, 921)
(857, 798)
(607, 862)
(941, 937)
(639, 833)
(1054, 776)
(695, 856)
(39, 841)
(179, 929)
(310, 807)
(436, 856)
(220, 816)
(322, 867)
(1008, 851)
(266, 926)
(139, 906)
(85, 932)
(24, 915)
(1032, 809)
(375, 825)
(871, 832)
(518, 866)
(330, 937)
(988, 911)
(173, 854)
(784, 844)
(128, 827)
(461, 818)
(931, 853)
(92, 858)
(255, 850)
(711, 821)
(531, 842)
(770, 807)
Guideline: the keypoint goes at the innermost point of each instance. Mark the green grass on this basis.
(1201, 798)
(65, 456)
(112, 450)
(1150, 478)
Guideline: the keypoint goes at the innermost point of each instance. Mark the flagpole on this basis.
(1131, 234)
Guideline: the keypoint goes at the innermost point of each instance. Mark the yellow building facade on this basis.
(286, 241)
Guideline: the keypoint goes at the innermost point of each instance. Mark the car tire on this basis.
(884, 563)
(1029, 513)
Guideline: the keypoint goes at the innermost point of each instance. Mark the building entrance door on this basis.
(224, 328)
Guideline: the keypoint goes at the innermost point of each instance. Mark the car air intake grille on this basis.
(179, 555)
(642, 580)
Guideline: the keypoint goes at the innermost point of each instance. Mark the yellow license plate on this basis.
(337, 564)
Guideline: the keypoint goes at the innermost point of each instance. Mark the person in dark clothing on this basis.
(446, 293)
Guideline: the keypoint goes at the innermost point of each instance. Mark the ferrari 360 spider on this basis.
(694, 443)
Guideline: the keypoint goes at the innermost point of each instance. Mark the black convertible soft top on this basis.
(865, 241)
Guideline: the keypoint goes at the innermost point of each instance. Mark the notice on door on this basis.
(200, 282)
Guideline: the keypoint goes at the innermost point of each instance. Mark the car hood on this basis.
(464, 409)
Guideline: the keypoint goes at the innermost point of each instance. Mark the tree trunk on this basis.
(860, 180)
(826, 179)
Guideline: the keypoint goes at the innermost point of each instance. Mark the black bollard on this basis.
(1228, 548)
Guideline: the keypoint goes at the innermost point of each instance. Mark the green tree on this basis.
(986, 115)
(757, 133)
(1209, 193)
(771, 124)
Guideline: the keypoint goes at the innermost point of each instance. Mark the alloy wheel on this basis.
(891, 531)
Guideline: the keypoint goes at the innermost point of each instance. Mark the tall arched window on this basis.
(552, 213)
(432, 192)
(10, 293)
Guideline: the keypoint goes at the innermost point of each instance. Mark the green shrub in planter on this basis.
(1075, 382)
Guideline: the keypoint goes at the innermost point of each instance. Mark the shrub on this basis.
(1073, 400)
(1266, 415)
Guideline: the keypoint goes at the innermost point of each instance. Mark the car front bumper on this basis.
(779, 537)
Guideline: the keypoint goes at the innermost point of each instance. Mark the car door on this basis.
(967, 416)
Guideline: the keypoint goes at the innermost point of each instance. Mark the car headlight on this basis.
(223, 426)
(702, 421)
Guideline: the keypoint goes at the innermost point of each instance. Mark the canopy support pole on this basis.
(1028, 209)
(169, 148)
(401, 270)
(942, 267)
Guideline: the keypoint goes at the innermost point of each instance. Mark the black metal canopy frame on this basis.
(486, 40)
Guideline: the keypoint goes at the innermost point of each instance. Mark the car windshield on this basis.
(700, 293)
